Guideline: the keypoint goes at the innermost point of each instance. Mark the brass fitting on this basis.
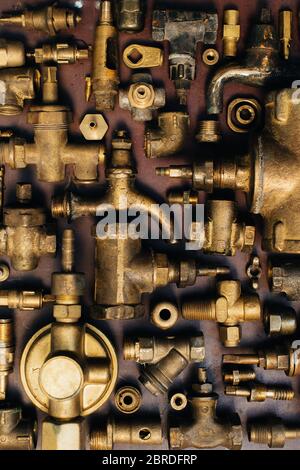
(138, 56)
(231, 32)
(131, 15)
(274, 433)
(128, 400)
(164, 315)
(60, 53)
(7, 354)
(210, 57)
(51, 152)
(208, 131)
(17, 85)
(285, 279)
(24, 299)
(169, 137)
(67, 369)
(25, 236)
(12, 54)
(219, 432)
(4, 272)
(287, 360)
(229, 309)
(285, 32)
(236, 376)
(259, 393)
(142, 99)
(136, 433)
(50, 19)
(254, 271)
(280, 322)
(63, 435)
(164, 359)
(105, 79)
(16, 432)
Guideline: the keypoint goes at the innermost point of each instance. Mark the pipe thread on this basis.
(198, 311)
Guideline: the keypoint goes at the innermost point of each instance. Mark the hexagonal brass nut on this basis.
(161, 272)
(275, 323)
(67, 313)
(230, 336)
(93, 127)
(63, 436)
(197, 353)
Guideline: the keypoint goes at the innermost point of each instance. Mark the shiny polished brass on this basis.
(254, 272)
(7, 354)
(17, 86)
(231, 32)
(137, 56)
(142, 99)
(4, 272)
(285, 32)
(51, 152)
(243, 115)
(222, 433)
(60, 53)
(285, 359)
(169, 137)
(280, 322)
(164, 315)
(260, 393)
(24, 299)
(105, 79)
(229, 309)
(141, 432)
(210, 57)
(49, 19)
(16, 432)
(285, 279)
(131, 15)
(163, 358)
(273, 433)
(237, 376)
(25, 235)
(128, 400)
(178, 401)
(12, 54)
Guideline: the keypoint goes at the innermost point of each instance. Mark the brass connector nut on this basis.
(93, 127)
(141, 95)
(161, 271)
(67, 313)
(61, 436)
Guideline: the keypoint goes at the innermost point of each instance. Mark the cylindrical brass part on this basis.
(22, 300)
(279, 323)
(238, 376)
(128, 399)
(260, 393)
(7, 352)
(50, 85)
(285, 32)
(185, 197)
(178, 401)
(68, 250)
(131, 15)
(208, 131)
(273, 434)
(12, 54)
(4, 272)
(16, 433)
(231, 32)
(59, 53)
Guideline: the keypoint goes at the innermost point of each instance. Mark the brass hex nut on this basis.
(67, 313)
(230, 336)
(249, 237)
(93, 127)
(60, 435)
(197, 353)
(161, 272)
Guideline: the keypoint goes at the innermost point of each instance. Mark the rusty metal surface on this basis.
(71, 79)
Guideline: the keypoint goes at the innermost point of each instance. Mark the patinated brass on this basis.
(12, 54)
(128, 400)
(285, 279)
(237, 376)
(260, 393)
(131, 15)
(285, 32)
(273, 433)
(165, 315)
(7, 354)
(231, 32)
(60, 53)
(16, 432)
(17, 86)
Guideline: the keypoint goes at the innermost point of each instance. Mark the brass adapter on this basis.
(60, 53)
(259, 393)
(16, 432)
(7, 354)
(274, 433)
(229, 309)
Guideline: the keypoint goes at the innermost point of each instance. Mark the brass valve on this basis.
(273, 434)
(16, 432)
(51, 152)
(142, 99)
(135, 433)
(7, 354)
(49, 19)
(163, 358)
(25, 236)
(228, 309)
(105, 79)
(231, 32)
(206, 430)
(287, 360)
(260, 393)
(59, 53)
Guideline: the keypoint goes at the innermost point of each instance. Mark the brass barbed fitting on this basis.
(169, 137)
(51, 152)
(25, 235)
(16, 432)
(131, 15)
(19, 85)
(285, 279)
(7, 354)
(105, 79)
(274, 433)
(137, 433)
(163, 358)
(259, 392)
(285, 359)
(236, 376)
(206, 430)
(60, 53)
(285, 32)
(12, 54)
(50, 19)
(142, 99)
(228, 309)
(280, 322)
(231, 32)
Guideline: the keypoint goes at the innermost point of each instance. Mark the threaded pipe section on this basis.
(286, 395)
(198, 311)
(129, 350)
(208, 131)
(6, 332)
(260, 434)
(98, 440)
(60, 207)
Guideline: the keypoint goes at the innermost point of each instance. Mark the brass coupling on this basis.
(273, 433)
(163, 358)
(260, 392)
(228, 309)
(7, 354)
(17, 86)
(16, 432)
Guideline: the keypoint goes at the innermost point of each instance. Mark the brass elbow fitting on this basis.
(105, 79)
(12, 54)
(16, 432)
(142, 99)
(231, 32)
(137, 433)
(19, 84)
(169, 137)
(60, 53)
(131, 15)
(273, 434)
(222, 432)
(229, 309)
(24, 236)
(163, 358)
(287, 360)
(285, 279)
(49, 19)
(7, 354)
(260, 393)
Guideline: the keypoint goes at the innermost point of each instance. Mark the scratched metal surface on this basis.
(71, 80)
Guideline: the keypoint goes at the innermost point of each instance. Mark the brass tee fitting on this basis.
(49, 19)
(16, 432)
(7, 354)
(164, 358)
(260, 393)
(206, 430)
(60, 53)
(136, 433)
(273, 434)
(229, 309)
(16, 86)
(25, 236)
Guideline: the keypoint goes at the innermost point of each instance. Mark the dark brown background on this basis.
(71, 81)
